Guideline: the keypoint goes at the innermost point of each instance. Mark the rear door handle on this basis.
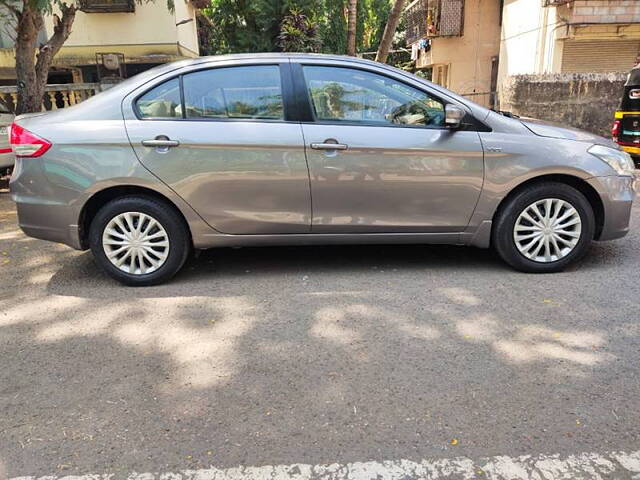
(329, 146)
(160, 143)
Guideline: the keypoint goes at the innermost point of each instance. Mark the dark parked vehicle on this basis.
(626, 126)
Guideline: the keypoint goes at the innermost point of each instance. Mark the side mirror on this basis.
(453, 116)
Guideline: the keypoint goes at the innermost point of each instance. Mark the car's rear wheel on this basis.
(139, 241)
(544, 228)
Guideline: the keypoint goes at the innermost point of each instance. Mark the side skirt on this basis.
(218, 240)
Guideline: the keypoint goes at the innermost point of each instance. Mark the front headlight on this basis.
(620, 161)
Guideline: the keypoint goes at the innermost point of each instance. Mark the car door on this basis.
(380, 157)
(226, 146)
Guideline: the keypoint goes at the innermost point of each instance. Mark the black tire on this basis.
(504, 224)
(163, 213)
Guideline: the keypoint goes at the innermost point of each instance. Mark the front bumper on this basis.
(617, 195)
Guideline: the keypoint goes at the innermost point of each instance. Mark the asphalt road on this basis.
(314, 355)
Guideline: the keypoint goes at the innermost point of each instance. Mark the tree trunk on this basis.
(29, 24)
(351, 28)
(32, 69)
(389, 31)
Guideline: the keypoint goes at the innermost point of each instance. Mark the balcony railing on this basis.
(434, 18)
(56, 96)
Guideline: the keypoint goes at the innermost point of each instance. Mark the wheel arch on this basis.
(578, 183)
(100, 198)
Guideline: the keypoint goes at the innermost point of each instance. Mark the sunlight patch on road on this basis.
(204, 353)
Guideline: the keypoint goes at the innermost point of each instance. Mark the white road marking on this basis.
(581, 466)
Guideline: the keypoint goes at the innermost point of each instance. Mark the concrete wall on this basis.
(528, 43)
(188, 32)
(605, 11)
(151, 23)
(586, 101)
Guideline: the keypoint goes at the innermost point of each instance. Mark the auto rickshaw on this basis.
(626, 126)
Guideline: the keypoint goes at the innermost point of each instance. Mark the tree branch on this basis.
(61, 31)
(389, 31)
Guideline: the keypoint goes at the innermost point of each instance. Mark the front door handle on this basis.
(160, 143)
(329, 146)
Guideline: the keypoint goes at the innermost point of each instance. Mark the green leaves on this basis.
(258, 25)
(298, 33)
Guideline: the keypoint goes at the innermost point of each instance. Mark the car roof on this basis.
(275, 55)
(242, 56)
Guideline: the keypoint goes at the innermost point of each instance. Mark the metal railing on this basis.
(433, 18)
(56, 95)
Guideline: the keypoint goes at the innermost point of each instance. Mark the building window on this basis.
(440, 75)
(107, 6)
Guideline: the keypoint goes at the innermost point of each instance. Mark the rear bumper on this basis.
(40, 212)
(43, 221)
(617, 194)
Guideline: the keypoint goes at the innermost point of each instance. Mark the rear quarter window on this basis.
(161, 102)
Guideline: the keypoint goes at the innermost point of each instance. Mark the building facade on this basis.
(500, 39)
(569, 36)
(113, 38)
(458, 41)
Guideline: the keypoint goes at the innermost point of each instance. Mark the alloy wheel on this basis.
(135, 243)
(547, 230)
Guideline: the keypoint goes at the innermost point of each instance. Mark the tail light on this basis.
(615, 130)
(27, 144)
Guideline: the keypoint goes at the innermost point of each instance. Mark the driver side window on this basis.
(347, 95)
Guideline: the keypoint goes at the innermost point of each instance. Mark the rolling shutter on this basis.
(583, 56)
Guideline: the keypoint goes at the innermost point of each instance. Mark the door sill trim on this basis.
(220, 240)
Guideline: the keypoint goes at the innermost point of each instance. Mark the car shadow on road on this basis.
(228, 268)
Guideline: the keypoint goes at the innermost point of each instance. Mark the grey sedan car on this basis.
(279, 149)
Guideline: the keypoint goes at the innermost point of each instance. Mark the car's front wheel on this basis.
(139, 241)
(544, 228)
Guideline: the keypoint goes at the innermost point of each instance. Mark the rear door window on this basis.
(249, 92)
